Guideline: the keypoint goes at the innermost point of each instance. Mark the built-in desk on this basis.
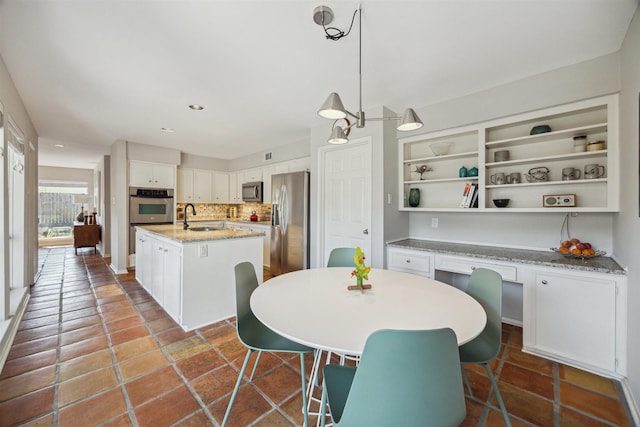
(571, 310)
(86, 236)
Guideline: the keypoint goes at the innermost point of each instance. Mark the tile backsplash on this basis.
(213, 211)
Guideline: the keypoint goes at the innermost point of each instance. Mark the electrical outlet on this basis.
(434, 222)
(204, 251)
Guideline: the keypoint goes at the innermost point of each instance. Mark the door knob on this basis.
(365, 231)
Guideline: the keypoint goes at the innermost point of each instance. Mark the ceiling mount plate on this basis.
(322, 15)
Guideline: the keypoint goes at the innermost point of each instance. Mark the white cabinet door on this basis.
(253, 175)
(163, 176)
(172, 277)
(235, 187)
(573, 316)
(267, 173)
(266, 247)
(298, 165)
(410, 261)
(143, 259)
(202, 186)
(157, 270)
(185, 185)
(220, 187)
(143, 174)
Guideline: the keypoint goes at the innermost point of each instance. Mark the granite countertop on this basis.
(198, 218)
(601, 264)
(175, 232)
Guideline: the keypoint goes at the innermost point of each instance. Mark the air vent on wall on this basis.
(267, 156)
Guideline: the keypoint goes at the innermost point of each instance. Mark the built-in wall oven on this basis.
(148, 206)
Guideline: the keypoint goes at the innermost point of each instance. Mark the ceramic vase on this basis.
(414, 197)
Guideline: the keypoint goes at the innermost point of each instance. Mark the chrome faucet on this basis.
(185, 225)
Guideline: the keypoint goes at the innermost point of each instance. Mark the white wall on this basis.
(202, 162)
(151, 153)
(626, 226)
(296, 150)
(103, 169)
(118, 205)
(68, 174)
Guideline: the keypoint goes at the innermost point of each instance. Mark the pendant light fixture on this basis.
(333, 108)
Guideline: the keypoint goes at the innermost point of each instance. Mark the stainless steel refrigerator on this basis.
(289, 222)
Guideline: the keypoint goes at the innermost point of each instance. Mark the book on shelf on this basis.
(465, 194)
(472, 200)
(469, 196)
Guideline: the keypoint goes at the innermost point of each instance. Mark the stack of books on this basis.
(469, 196)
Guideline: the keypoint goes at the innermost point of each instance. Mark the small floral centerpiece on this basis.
(361, 271)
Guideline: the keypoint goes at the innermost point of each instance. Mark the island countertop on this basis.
(177, 233)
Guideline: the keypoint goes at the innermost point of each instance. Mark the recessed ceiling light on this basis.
(196, 107)
(168, 130)
(59, 146)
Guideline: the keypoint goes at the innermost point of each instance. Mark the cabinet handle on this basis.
(166, 250)
(473, 267)
(408, 261)
(159, 249)
(544, 282)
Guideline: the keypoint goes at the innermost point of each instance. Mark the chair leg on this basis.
(255, 365)
(323, 406)
(466, 380)
(497, 392)
(235, 390)
(304, 391)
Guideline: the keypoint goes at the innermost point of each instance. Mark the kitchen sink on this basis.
(205, 228)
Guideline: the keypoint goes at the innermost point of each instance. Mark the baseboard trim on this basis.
(115, 269)
(7, 338)
(631, 402)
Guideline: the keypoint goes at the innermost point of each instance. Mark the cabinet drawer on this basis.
(410, 261)
(467, 265)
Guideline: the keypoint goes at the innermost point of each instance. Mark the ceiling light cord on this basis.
(337, 33)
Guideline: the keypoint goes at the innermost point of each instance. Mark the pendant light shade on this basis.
(410, 121)
(332, 108)
(338, 136)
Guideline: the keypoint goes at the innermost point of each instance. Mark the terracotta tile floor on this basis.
(96, 349)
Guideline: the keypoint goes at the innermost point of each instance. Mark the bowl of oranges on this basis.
(576, 249)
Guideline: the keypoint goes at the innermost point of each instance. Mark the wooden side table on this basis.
(86, 236)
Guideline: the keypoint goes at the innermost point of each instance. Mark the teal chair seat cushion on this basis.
(256, 335)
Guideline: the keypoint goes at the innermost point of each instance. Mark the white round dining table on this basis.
(314, 307)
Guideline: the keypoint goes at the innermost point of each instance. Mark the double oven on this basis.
(148, 206)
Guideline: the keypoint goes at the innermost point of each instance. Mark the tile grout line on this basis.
(114, 361)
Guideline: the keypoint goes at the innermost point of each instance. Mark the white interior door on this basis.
(16, 210)
(345, 196)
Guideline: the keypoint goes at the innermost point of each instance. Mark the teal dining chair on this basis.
(256, 336)
(405, 378)
(341, 257)
(485, 286)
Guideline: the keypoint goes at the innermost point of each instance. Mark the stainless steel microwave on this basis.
(252, 192)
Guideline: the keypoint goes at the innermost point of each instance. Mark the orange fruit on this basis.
(563, 250)
(576, 251)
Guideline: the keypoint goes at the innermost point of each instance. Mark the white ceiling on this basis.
(92, 72)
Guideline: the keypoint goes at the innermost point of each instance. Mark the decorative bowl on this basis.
(570, 255)
(441, 148)
(540, 129)
(501, 203)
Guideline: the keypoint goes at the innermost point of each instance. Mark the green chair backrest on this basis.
(341, 257)
(407, 378)
(485, 286)
(249, 328)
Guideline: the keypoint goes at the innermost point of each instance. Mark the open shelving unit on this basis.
(475, 146)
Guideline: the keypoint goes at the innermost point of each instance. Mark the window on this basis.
(60, 202)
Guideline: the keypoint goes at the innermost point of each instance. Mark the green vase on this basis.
(414, 197)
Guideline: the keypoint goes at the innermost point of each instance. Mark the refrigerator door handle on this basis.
(284, 209)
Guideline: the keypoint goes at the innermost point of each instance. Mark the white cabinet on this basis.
(483, 146)
(143, 257)
(185, 185)
(465, 265)
(576, 317)
(195, 185)
(220, 187)
(172, 268)
(144, 174)
(298, 165)
(202, 186)
(252, 175)
(409, 261)
(235, 187)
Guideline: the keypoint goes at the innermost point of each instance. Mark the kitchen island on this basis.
(190, 273)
